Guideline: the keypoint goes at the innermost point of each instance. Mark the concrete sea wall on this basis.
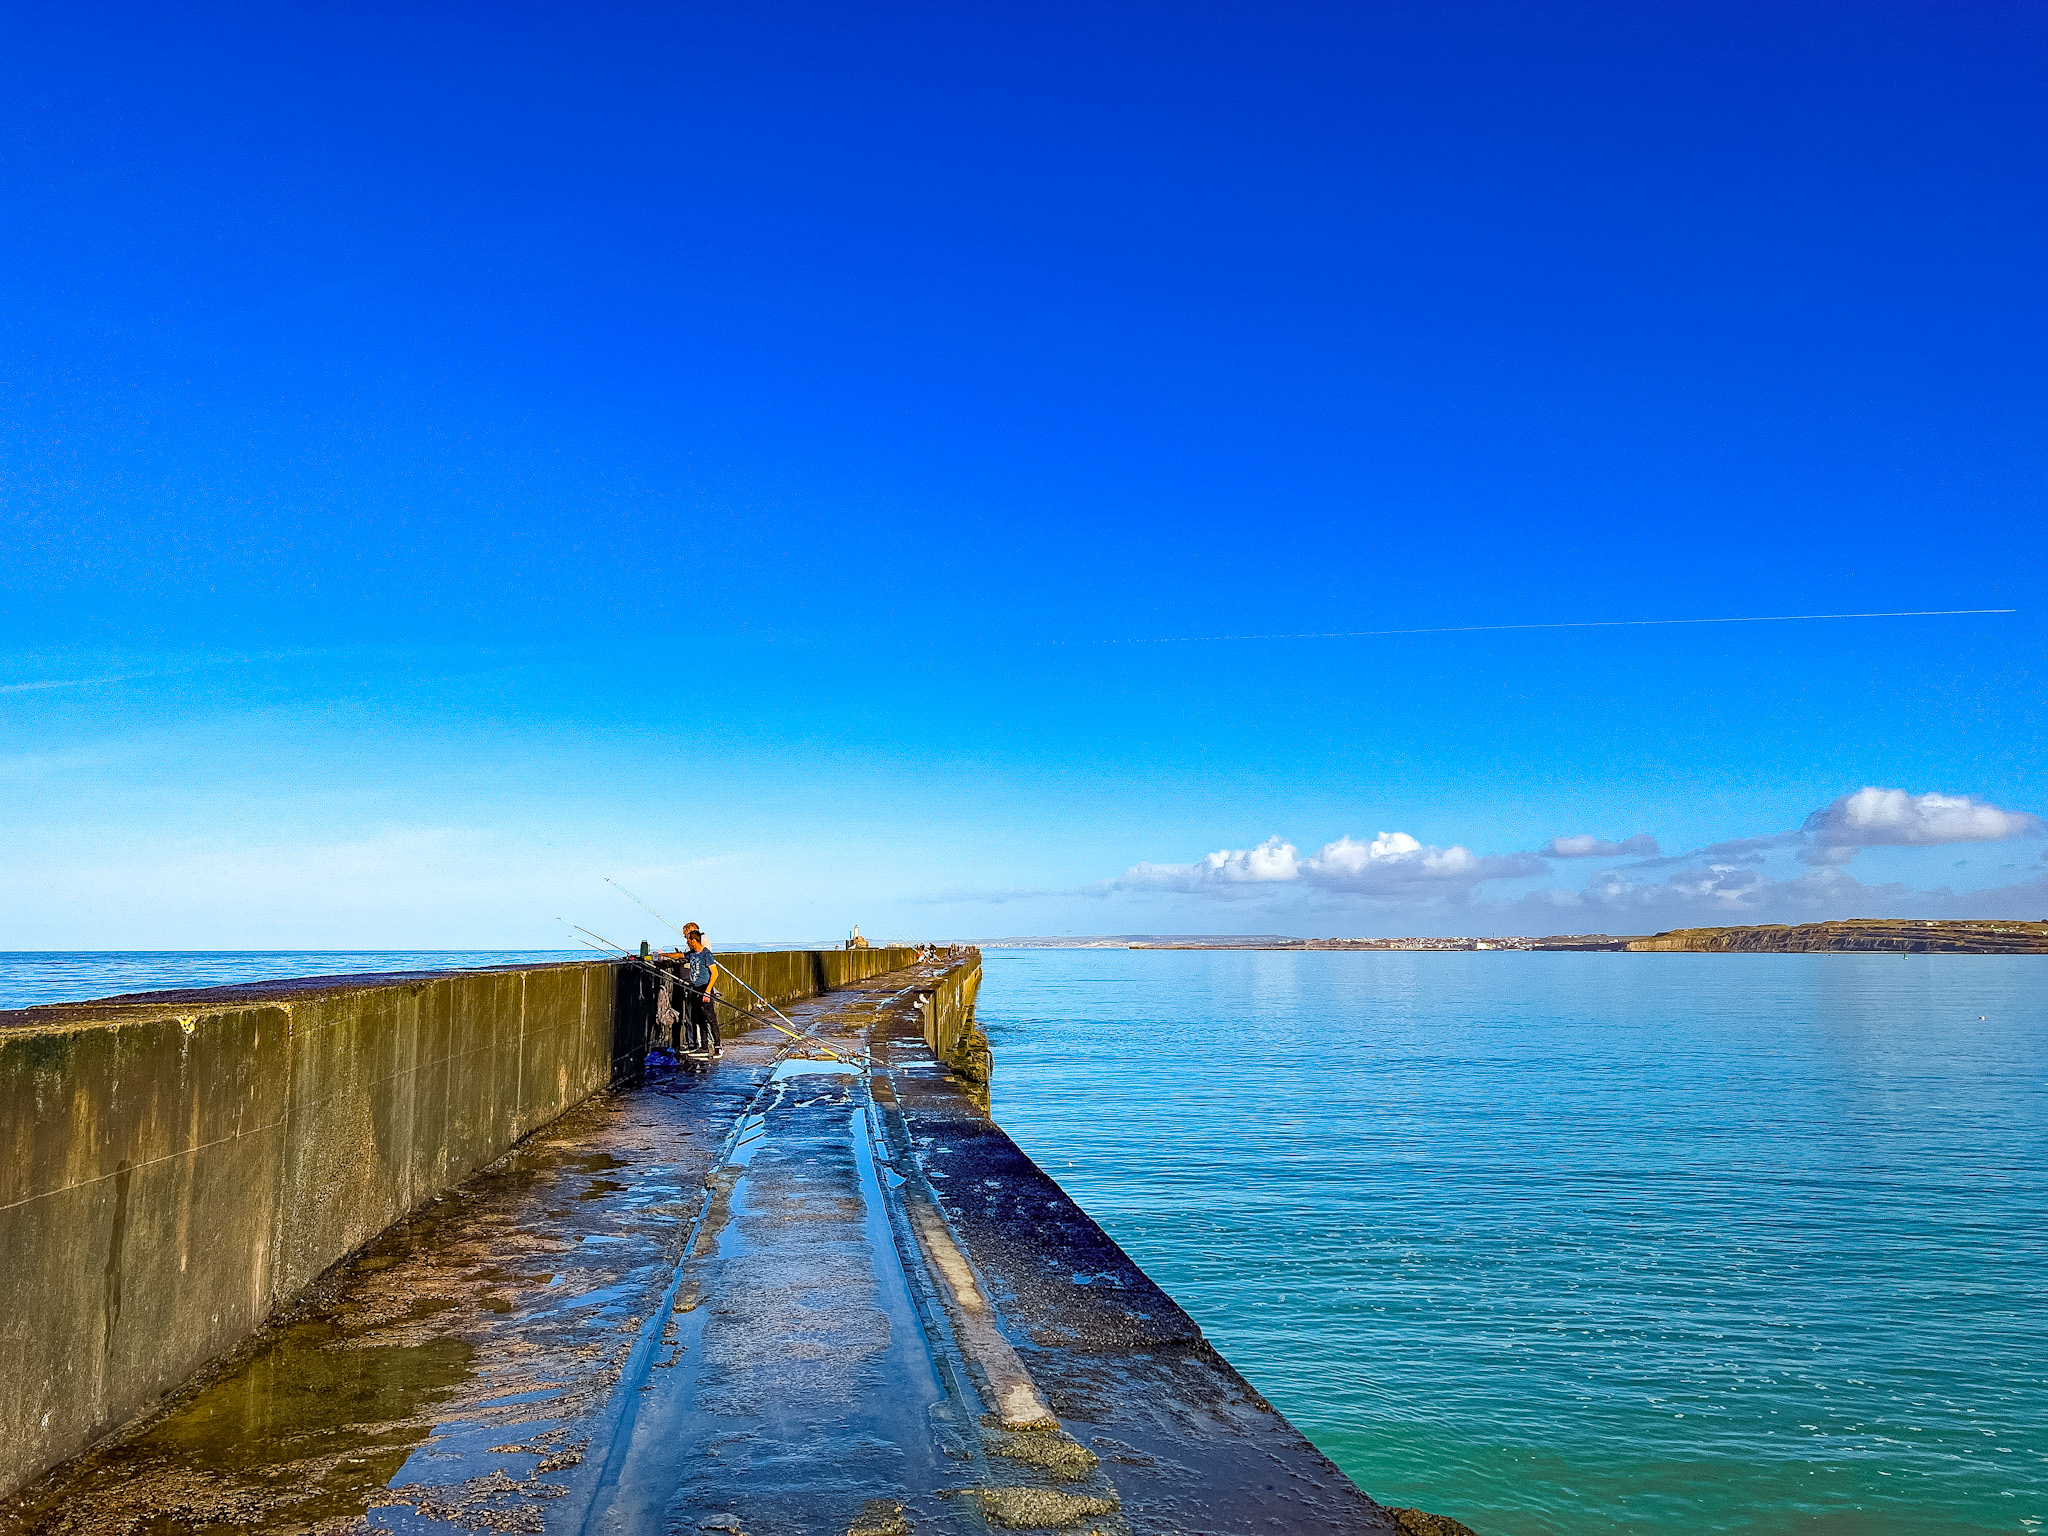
(175, 1167)
(947, 1010)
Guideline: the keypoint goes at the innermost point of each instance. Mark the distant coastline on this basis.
(1860, 935)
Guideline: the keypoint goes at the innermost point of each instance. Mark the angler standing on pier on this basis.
(700, 1015)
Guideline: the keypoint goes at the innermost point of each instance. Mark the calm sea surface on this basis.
(1561, 1243)
(29, 977)
(1551, 1243)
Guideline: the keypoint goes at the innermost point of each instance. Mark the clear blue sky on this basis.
(449, 455)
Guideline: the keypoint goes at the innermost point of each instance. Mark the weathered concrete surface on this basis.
(1187, 1442)
(175, 1167)
(778, 1296)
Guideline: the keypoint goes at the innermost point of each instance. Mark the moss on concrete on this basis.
(1052, 1451)
(177, 1167)
(1418, 1522)
(1040, 1509)
(880, 1517)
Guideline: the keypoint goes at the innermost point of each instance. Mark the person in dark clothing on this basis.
(700, 1014)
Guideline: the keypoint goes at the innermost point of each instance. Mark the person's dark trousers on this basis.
(702, 1019)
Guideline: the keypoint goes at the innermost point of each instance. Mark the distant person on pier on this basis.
(700, 1013)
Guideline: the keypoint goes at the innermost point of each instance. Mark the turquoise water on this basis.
(1552, 1243)
(1582, 1242)
(29, 978)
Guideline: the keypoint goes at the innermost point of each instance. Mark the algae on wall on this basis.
(178, 1170)
(174, 1172)
(950, 1028)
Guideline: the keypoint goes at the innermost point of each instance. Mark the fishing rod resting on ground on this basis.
(615, 951)
(608, 880)
(669, 976)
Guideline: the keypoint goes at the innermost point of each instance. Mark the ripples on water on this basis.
(29, 978)
(1559, 1242)
(1552, 1243)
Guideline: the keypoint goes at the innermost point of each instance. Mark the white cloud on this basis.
(957, 896)
(58, 682)
(1722, 887)
(1726, 895)
(1395, 864)
(1270, 862)
(1586, 846)
(1729, 882)
(1892, 818)
(1391, 866)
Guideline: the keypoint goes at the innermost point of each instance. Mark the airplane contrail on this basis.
(1480, 629)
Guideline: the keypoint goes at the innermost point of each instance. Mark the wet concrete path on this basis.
(795, 1370)
(780, 1295)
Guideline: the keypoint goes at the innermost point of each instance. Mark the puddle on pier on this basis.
(796, 1391)
(465, 1370)
(479, 1331)
(804, 1066)
(309, 1428)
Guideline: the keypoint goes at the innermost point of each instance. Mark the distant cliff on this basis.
(1873, 934)
(1902, 937)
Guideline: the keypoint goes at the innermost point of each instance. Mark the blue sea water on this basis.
(1551, 1243)
(29, 978)
(1558, 1243)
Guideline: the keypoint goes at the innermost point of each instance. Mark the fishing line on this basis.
(608, 880)
(1488, 629)
(605, 946)
(672, 928)
(612, 951)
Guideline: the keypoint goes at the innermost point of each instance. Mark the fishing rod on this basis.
(626, 955)
(670, 976)
(607, 943)
(608, 880)
(811, 1040)
(613, 951)
(618, 952)
(738, 1008)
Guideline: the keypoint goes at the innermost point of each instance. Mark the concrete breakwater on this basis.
(810, 1287)
(178, 1166)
